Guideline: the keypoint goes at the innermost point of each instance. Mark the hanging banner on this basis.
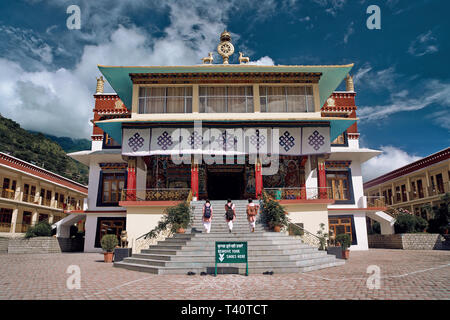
(292, 141)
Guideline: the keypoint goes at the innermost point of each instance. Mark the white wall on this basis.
(310, 215)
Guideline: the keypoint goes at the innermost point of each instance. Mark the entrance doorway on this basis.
(224, 184)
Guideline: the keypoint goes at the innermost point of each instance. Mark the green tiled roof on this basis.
(119, 77)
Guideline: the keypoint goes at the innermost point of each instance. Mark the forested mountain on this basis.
(42, 151)
(68, 144)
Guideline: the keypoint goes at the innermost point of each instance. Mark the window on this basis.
(398, 195)
(226, 99)
(286, 99)
(404, 197)
(338, 185)
(420, 188)
(440, 183)
(165, 100)
(389, 198)
(111, 186)
(343, 224)
(109, 226)
(5, 219)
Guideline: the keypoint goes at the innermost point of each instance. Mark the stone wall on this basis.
(45, 245)
(34, 245)
(4, 245)
(407, 241)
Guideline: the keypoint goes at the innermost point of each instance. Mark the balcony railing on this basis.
(22, 227)
(7, 193)
(46, 202)
(155, 194)
(375, 202)
(72, 207)
(299, 193)
(31, 198)
(5, 227)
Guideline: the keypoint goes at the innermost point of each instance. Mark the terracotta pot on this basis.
(180, 230)
(277, 228)
(345, 254)
(108, 256)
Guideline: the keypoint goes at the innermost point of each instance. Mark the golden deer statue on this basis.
(243, 59)
(209, 59)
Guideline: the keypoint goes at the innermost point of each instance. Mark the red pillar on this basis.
(131, 180)
(322, 179)
(258, 179)
(194, 180)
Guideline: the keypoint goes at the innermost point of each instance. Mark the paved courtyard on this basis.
(404, 275)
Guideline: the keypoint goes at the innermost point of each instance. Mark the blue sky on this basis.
(401, 72)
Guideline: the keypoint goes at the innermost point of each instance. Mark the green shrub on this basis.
(109, 242)
(375, 228)
(441, 216)
(409, 223)
(41, 229)
(272, 213)
(344, 240)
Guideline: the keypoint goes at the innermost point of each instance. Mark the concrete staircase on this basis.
(194, 250)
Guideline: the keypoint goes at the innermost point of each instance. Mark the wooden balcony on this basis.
(155, 194)
(5, 227)
(7, 193)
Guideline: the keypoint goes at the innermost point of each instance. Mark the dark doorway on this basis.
(224, 185)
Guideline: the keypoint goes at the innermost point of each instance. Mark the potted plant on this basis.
(109, 242)
(273, 214)
(176, 218)
(344, 240)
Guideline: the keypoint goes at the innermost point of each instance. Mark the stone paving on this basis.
(404, 275)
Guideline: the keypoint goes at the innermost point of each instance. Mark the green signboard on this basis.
(231, 252)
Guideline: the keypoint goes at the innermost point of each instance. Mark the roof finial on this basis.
(100, 85)
(225, 47)
(349, 85)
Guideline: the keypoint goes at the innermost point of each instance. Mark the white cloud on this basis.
(392, 158)
(60, 101)
(432, 92)
(264, 61)
(332, 6)
(350, 31)
(375, 80)
(425, 43)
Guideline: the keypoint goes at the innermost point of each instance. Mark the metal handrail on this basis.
(304, 230)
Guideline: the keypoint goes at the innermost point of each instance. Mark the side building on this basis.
(414, 187)
(30, 194)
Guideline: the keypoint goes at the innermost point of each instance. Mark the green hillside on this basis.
(36, 148)
(68, 144)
